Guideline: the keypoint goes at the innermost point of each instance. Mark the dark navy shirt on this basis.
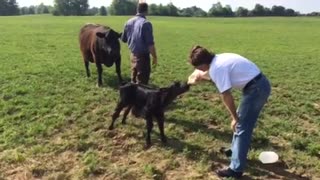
(138, 33)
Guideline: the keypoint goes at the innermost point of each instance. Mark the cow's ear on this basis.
(118, 35)
(115, 33)
(101, 34)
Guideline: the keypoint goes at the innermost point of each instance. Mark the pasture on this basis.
(54, 120)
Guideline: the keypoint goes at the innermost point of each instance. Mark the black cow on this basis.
(148, 103)
(100, 44)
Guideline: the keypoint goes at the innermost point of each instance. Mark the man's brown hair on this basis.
(200, 55)
(142, 7)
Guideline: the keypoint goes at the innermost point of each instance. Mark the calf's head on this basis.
(170, 93)
(110, 42)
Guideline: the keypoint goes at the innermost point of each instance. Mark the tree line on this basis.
(128, 7)
(61, 7)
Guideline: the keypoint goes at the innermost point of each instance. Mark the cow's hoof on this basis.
(99, 85)
(164, 140)
(147, 146)
(110, 127)
(123, 122)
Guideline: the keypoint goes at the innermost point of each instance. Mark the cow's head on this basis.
(110, 43)
(170, 93)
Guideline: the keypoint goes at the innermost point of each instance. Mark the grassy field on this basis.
(53, 120)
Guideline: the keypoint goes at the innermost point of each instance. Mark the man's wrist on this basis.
(235, 118)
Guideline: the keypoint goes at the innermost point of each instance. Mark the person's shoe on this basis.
(229, 173)
(226, 151)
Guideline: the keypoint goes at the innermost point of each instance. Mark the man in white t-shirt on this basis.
(227, 71)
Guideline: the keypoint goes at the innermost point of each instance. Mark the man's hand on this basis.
(152, 50)
(154, 61)
(234, 123)
(228, 101)
(197, 76)
(192, 79)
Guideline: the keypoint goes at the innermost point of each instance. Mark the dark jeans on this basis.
(253, 99)
(140, 68)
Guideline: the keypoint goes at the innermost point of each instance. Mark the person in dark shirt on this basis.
(138, 33)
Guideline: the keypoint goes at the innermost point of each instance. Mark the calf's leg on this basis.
(160, 120)
(149, 129)
(126, 114)
(116, 113)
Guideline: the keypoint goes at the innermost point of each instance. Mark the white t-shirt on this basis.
(230, 70)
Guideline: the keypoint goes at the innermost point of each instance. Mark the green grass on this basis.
(53, 120)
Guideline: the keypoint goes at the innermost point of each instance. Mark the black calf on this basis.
(148, 103)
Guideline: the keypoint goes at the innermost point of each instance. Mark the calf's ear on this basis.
(101, 34)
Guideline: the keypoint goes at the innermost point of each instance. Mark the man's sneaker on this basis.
(229, 173)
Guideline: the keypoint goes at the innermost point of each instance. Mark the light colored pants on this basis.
(253, 99)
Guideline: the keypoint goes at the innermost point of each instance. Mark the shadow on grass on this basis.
(255, 168)
(276, 169)
(111, 80)
(192, 126)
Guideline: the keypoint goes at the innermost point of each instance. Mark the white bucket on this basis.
(268, 157)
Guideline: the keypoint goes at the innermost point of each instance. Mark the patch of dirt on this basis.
(317, 106)
(63, 165)
(211, 96)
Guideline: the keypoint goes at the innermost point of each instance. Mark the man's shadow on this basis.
(191, 126)
(277, 170)
(255, 168)
(111, 80)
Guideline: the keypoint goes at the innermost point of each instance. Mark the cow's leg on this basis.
(86, 59)
(126, 114)
(86, 64)
(99, 68)
(118, 69)
(160, 120)
(149, 129)
(116, 113)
